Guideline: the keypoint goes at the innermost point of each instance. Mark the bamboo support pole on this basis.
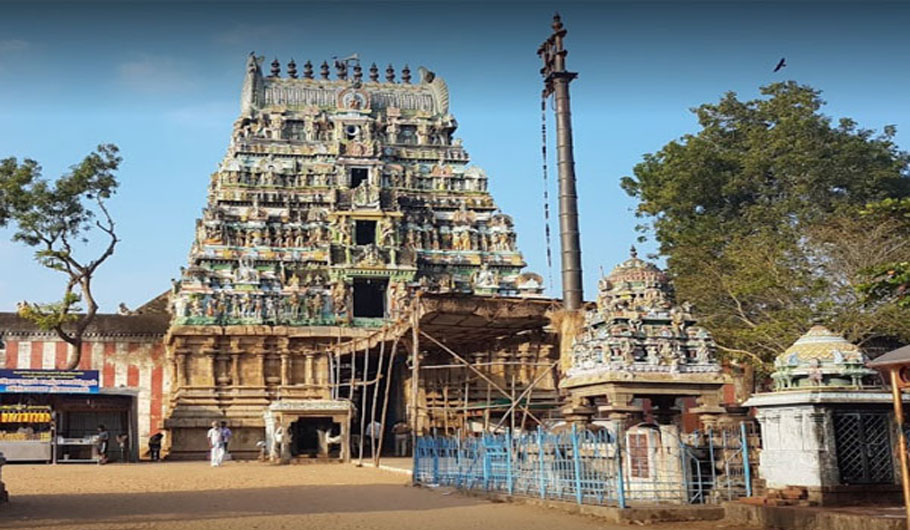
(338, 365)
(330, 356)
(468, 364)
(351, 378)
(415, 371)
(495, 363)
(377, 382)
(445, 408)
(464, 416)
(363, 401)
(385, 402)
(524, 413)
(527, 390)
(486, 410)
(512, 409)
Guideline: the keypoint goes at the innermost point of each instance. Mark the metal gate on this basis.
(863, 442)
(716, 463)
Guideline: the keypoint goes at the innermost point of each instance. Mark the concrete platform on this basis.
(636, 514)
(816, 517)
(403, 465)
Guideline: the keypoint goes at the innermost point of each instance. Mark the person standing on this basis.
(102, 443)
(226, 436)
(277, 439)
(155, 446)
(402, 434)
(122, 438)
(373, 428)
(216, 443)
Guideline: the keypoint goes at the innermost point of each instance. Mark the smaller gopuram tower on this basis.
(637, 343)
(338, 197)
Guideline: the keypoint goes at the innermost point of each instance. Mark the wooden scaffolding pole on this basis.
(482, 375)
(464, 416)
(415, 370)
(526, 392)
(385, 402)
(377, 383)
(337, 390)
(445, 407)
(353, 372)
(512, 408)
(363, 400)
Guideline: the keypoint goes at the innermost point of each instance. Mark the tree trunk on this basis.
(74, 355)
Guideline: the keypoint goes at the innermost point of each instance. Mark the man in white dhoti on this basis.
(216, 442)
(373, 428)
(277, 438)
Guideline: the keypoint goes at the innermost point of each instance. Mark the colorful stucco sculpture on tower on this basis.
(638, 343)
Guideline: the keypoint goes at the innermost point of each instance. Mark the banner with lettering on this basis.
(49, 381)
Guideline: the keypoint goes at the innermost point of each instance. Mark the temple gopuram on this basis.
(337, 199)
(638, 344)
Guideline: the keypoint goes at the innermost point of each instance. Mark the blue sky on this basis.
(162, 80)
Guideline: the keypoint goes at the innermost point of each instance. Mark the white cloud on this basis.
(250, 35)
(13, 45)
(8, 50)
(152, 73)
(211, 114)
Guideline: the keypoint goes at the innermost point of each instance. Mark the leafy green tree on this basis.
(744, 212)
(889, 281)
(55, 217)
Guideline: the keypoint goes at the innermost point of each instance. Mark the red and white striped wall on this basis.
(135, 364)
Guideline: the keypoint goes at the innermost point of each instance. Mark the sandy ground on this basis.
(257, 496)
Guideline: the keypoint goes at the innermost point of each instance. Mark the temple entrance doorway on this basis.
(314, 427)
(310, 434)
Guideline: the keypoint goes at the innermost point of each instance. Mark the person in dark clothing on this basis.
(155, 446)
(102, 441)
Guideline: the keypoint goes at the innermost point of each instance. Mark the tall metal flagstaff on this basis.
(556, 81)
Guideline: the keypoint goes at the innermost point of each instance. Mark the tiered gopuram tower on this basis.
(637, 344)
(336, 200)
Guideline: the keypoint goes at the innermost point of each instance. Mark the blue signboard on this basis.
(49, 381)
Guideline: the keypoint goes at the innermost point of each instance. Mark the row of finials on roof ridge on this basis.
(341, 71)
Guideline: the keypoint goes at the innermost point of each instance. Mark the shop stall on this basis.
(72, 406)
(26, 433)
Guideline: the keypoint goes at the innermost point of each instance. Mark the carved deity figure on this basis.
(246, 270)
(314, 306)
(816, 377)
(387, 232)
(485, 278)
(702, 353)
(340, 301)
(627, 352)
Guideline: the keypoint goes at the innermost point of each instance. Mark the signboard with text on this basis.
(49, 381)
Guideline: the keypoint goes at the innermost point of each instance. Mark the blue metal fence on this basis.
(578, 466)
(588, 467)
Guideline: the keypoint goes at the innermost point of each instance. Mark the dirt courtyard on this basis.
(257, 496)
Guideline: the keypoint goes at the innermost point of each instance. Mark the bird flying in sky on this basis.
(781, 64)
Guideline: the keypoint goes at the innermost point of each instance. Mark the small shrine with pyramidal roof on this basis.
(827, 425)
